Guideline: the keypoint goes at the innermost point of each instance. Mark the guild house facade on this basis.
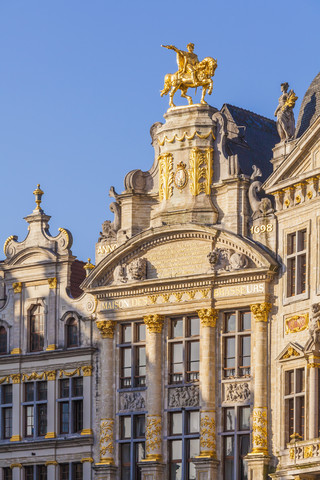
(190, 348)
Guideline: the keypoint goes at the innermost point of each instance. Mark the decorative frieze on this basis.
(300, 192)
(49, 375)
(184, 396)
(154, 323)
(208, 317)
(132, 401)
(237, 392)
(260, 311)
(302, 451)
(106, 328)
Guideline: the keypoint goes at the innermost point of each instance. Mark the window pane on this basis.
(244, 421)
(194, 447)
(140, 451)
(42, 419)
(176, 449)
(291, 245)
(245, 348)
(302, 271)
(230, 322)
(126, 367)
(28, 473)
(300, 382)
(300, 416)
(194, 326)
(41, 472)
(72, 333)
(29, 421)
(228, 457)
(7, 393)
(125, 427)
(141, 332)
(176, 471)
(289, 384)
(194, 422)
(176, 423)
(139, 426)
(77, 406)
(125, 460)
(230, 349)
(244, 443)
(77, 471)
(64, 388)
(245, 320)
(177, 357)
(28, 392)
(291, 277)
(229, 419)
(3, 340)
(7, 422)
(141, 354)
(302, 240)
(126, 333)
(7, 473)
(77, 387)
(64, 417)
(41, 390)
(289, 418)
(177, 328)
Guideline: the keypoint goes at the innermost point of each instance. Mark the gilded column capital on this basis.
(260, 311)
(208, 317)
(106, 328)
(154, 323)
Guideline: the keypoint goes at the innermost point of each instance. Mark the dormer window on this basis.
(36, 329)
(72, 332)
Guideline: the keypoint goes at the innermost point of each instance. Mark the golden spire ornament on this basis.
(38, 195)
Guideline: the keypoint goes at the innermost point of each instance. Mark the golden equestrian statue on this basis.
(191, 74)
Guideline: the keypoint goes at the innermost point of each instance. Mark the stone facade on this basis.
(191, 349)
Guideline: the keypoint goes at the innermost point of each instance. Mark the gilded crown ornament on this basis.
(38, 195)
(191, 74)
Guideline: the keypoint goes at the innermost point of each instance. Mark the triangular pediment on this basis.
(291, 352)
(172, 252)
(300, 164)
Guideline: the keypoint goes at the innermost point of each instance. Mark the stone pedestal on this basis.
(257, 466)
(281, 151)
(206, 468)
(105, 472)
(152, 470)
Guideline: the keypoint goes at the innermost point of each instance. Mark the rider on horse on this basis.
(187, 61)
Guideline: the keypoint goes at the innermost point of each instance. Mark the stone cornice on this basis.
(57, 355)
(44, 444)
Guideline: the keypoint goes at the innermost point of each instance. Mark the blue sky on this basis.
(80, 83)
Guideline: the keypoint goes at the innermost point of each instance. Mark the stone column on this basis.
(16, 471)
(152, 467)
(51, 469)
(206, 463)
(313, 365)
(16, 408)
(106, 465)
(52, 405)
(87, 395)
(258, 458)
(87, 467)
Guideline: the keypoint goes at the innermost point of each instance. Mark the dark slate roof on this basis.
(255, 146)
(310, 107)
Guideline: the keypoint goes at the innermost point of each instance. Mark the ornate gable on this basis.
(291, 352)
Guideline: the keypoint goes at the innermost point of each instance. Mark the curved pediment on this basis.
(32, 255)
(170, 252)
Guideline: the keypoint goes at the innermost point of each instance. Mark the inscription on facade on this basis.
(239, 290)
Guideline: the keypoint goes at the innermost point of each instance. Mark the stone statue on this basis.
(226, 260)
(314, 325)
(137, 269)
(191, 74)
(284, 113)
(110, 229)
(260, 207)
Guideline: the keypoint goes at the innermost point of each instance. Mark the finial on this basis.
(88, 266)
(38, 194)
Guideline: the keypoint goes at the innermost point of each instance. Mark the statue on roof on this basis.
(191, 74)
(284, 113)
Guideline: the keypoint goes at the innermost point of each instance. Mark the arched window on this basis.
(36, 329)
(72, 332)
(3, 340)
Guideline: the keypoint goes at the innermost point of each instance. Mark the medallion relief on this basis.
(135, 271)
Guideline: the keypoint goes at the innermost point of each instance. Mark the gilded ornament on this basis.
(153, 436)
(308, 451)
(69, 374)
(259, 431)
(165, 176)
(87, 459)
(208, 317)
(52, 283)
(291, 352)
(15, 465)
(17, 287)
(204, 292)
(291, 453)
(106, 328)
(87, 431)
(153, 299)
(16, 378)
(12, 237)
(16, 351)
(4, 379)
(200, 171)
(191, 74)
(51, 462)
(33, 376)
(297, 323)
(260, 311)
(191, 294)
(154, 323)
(88, 266)
(66, 234)
(15, 438)
(207, 436)
(181, 176)
(185, 136)
(51, 435)
(166, 297)
(87, 370)
(38, 195)
(51, 348)
(106, 441)
(178, 296)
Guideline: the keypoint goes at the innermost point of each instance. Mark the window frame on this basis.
(294, 396)
(36, 472)
(187, 376)
(70, 319)
(6, 351)
(39, 317)
(135, 381)
(133, 441)
(238, 334)
(71, 400)
(71, 472)
(3, 407)
(35, 404)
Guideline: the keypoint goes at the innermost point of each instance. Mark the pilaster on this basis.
(152, 467)
(16, 408)
(16, 471)
(87, 396)
(51, 315)
(52, 467)
(313, 410)
(17, 310)
(52, 406)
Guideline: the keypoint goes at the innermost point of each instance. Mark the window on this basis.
(184, 354)
(72, 333)
(35, 409)
(132, 445)
(35, 472)
(6, 411)
(237, 344)
(71, 471)
(3, 341)
(132, 355)
(36, 329)
(294, 400)
(71, 405)
(296, 262)
(183, 443)
(7, 473)
(235, 442)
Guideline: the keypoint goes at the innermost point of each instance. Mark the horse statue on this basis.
(191, 74)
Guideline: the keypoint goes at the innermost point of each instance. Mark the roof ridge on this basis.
(249, 111)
